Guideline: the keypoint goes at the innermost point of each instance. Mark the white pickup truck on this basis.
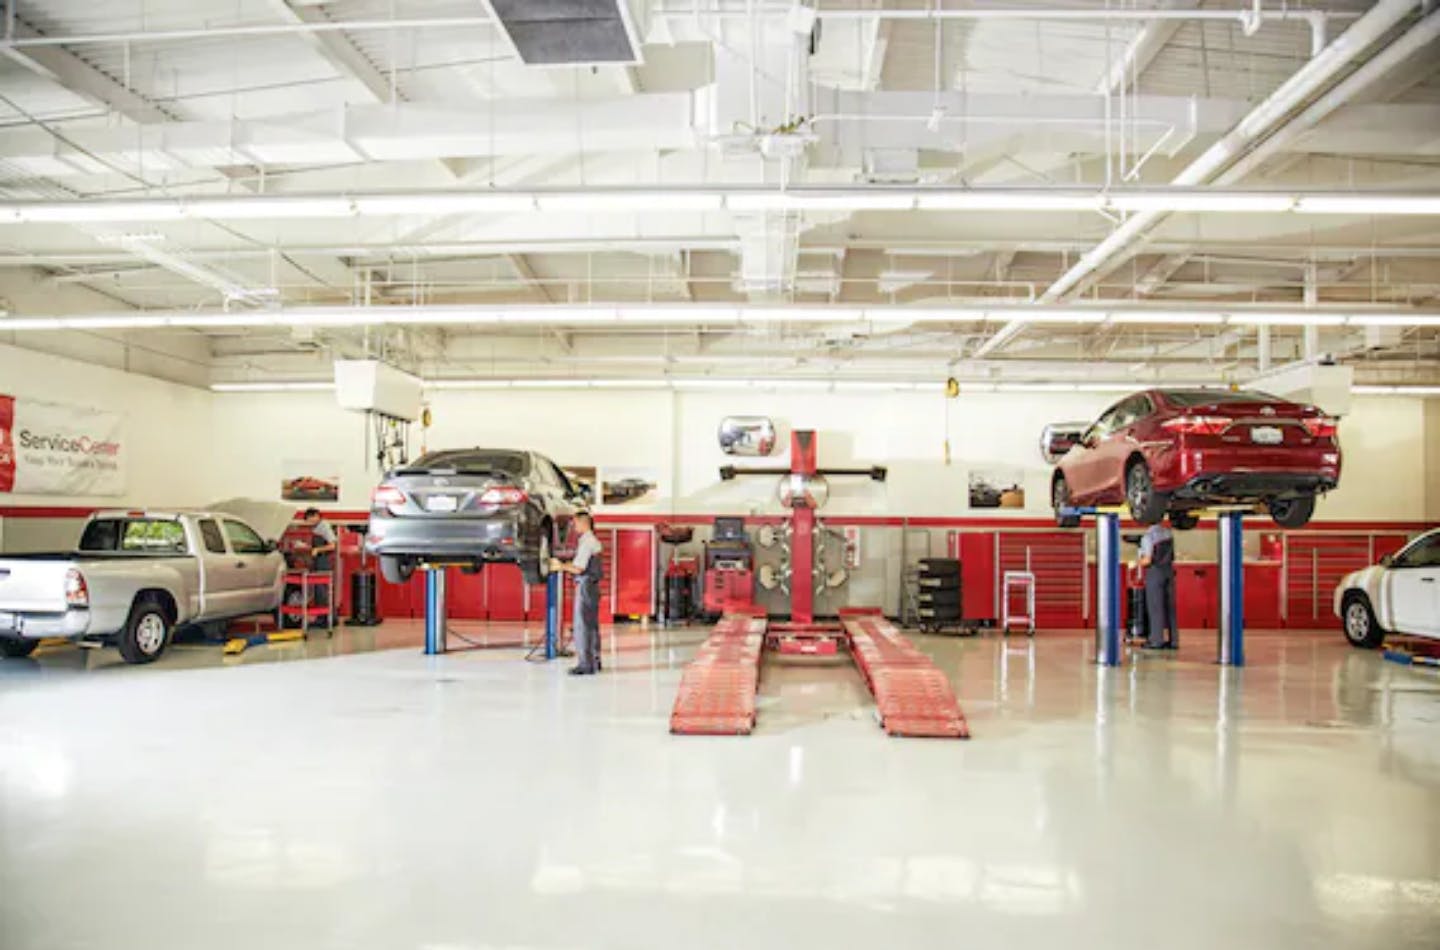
(1400, 595)
(135, 577)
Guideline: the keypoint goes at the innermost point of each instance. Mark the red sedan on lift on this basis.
(1177, 451)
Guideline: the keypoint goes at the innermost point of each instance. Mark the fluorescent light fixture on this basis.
(1287, 319)
(1200, 201)
(1402, 390)
(262, 206)
(1368, 204)
(696, 314)
(857, 200)
(459, 203)
(275, 387)
(1009, 201)
(801, 314)
(67, 212)
(1166, 318)
(631, 201)
(1395, 320)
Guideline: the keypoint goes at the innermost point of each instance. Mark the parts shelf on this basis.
(309, 584)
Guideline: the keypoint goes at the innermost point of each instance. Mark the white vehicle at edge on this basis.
(1400, 595)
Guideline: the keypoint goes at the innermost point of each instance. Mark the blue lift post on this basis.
(1230, 650)
(1107, 607)
(1107, 567)
(435, 612)
(553, 592)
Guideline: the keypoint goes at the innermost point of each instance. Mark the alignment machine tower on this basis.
(717, 690)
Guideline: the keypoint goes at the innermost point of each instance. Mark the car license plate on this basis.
(442, 503)
(1266, 435)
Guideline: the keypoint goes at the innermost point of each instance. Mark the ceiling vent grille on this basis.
(568, 32)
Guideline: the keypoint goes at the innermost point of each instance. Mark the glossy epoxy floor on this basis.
(390, 800)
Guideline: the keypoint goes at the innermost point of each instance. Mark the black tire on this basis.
(17, 648)
(1358, 622)
(146, 632)
(940, 598)
(939, 583)
(1147, 505)
(536, 570)
(1183, 520)
(396, 569)
(1292, 512)
(1060, 498)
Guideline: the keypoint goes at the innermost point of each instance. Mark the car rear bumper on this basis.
(1220, 486)
(38, 626)
(505, 538)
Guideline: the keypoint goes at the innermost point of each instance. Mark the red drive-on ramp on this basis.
(912, 696)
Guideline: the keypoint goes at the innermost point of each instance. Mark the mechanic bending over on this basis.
(587, 570)
(322, 541)
(1157, 557)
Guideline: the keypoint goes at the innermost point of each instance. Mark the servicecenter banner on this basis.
(48, 449)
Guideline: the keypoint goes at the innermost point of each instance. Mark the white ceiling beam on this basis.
(1142, 49)
(71, 72)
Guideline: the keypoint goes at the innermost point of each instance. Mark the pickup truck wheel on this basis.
(18, 648)
(1360, 626)
(1292, 512)
(536, 571)
(1147, 506)
(396, 570)
(146, 632)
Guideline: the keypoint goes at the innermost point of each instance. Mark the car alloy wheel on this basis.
(150, 634)
(1357, 621)
(1137, 488)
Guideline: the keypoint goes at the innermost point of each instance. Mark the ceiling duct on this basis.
(568, 32)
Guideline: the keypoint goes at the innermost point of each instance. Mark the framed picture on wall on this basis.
(997, 488)
(307, 480)
(629, 486)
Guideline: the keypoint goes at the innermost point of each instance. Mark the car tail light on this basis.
(503, 496)
(1197, 425)
(1320, 427)
(386, 496)
(76, 593)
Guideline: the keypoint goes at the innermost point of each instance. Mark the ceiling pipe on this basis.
(1414, 40)
(1262, 120)
(1248, 18)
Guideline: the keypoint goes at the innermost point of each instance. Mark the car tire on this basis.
(1183, 520)
(536, 570)
(1292, 512)
(17, 648)
(146, 632)
(1147, 506)
(395, 569)
(1060, 498)
(1358, 621)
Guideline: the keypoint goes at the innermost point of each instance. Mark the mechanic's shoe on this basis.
(580, 671)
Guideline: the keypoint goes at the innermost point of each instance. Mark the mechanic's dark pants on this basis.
(1160, 606)
(587, 624)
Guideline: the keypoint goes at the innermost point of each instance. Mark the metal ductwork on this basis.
(568, 32)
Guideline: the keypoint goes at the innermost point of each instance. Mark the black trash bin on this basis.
(1137, 626)
(364, 599)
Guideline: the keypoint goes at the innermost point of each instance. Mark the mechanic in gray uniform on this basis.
(1157, 557)
(588, 570)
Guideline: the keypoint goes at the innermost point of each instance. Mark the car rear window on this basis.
(480, 461)
(141, 535)
(1205, 397)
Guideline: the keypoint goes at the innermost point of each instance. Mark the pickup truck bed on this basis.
(201, 567)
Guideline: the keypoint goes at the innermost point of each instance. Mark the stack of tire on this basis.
(939, 593)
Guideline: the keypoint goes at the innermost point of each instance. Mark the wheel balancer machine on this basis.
(717, 690)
